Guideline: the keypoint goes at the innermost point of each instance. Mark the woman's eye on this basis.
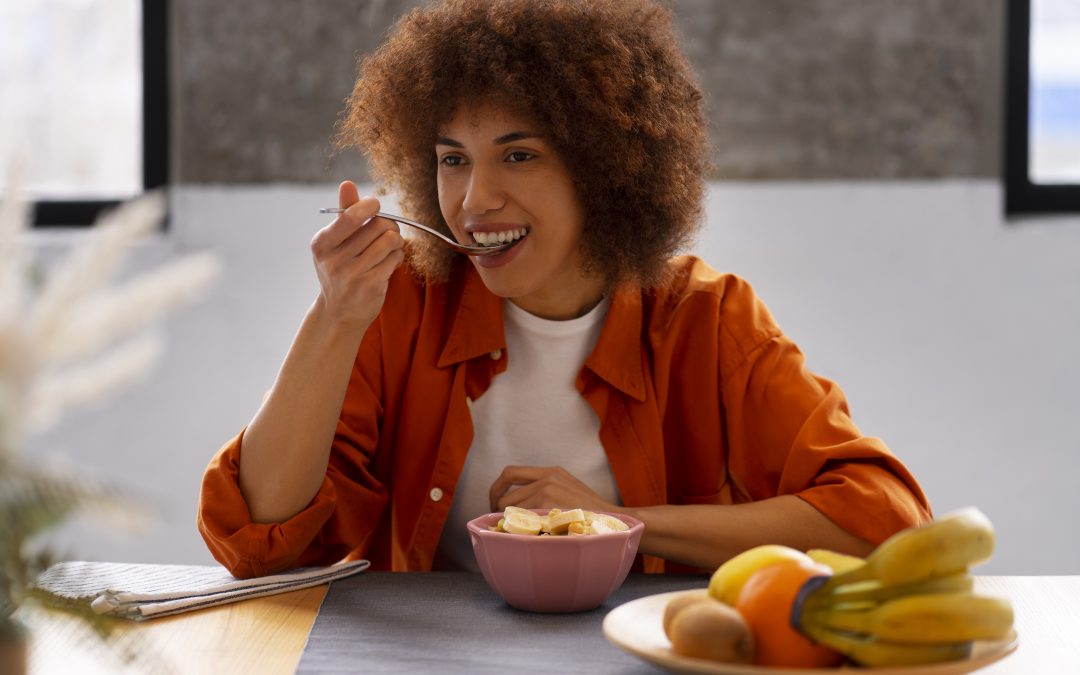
(451, 160)
(519, 156)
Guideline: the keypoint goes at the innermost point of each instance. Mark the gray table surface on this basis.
(451, 622)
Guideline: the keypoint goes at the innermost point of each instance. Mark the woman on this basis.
(583, 367)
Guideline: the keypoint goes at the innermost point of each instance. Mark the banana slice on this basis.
(598, 527)
(521, 521)
(517, 509)
(560, 522)
(612, 523)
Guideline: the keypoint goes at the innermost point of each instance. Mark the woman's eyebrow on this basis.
(501, 140)
(515, 136)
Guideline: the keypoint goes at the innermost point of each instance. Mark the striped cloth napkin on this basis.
(139, 591)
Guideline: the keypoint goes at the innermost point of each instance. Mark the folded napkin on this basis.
(140, 592)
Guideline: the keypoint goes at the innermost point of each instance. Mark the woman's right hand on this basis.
(354, 258)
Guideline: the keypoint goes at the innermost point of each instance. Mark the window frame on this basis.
(155, 126)
(1021, 195)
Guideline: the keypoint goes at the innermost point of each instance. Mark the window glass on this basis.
(1054, 140)
(71, 97)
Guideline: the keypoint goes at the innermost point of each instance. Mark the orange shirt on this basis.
(701, 400)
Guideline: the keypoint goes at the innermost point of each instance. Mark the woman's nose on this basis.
(483, 193)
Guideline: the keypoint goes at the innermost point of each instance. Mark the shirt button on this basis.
(496, 355)
(435, 494)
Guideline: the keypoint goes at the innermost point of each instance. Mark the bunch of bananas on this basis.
(912, 601)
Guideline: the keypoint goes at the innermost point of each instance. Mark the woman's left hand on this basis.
(543, 487)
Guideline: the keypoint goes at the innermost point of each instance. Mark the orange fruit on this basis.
(765, 603)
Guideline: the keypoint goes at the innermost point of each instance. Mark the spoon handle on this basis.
(460, 248)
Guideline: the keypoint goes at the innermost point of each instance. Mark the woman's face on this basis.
(497, 177)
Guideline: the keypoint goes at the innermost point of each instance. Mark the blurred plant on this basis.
(69, 337)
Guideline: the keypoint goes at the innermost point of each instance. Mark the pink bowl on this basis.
(554, 574)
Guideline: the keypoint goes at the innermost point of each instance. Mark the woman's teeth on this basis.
(496, 238)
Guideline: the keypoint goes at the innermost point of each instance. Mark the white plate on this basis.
(637, 627)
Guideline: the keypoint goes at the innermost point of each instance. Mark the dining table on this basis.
(452, 622)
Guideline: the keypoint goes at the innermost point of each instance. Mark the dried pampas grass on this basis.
(73, 339)
(71, 342)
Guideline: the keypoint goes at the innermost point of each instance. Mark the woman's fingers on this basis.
(358, 212)
(375, 229)
(551, 494)
(352, 233)
(347, 194)
(525, 496)
(511, 476)
(384, 268)
(542, 487)
(367, 266)
(355, 256)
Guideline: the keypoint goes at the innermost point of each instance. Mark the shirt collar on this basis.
(477, 330)
(477, 327)
(617, 356)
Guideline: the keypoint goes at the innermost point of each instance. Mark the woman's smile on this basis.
(500, 181)
(494, 234)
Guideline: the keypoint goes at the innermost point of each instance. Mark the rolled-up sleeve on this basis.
(343, 516)
(249, 549)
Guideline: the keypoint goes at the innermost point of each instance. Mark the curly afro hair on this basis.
(604, 81)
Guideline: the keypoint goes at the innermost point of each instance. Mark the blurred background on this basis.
(859, 150)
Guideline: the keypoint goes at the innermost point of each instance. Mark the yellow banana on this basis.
(871, 593)
(951, 544)
(911, 601)
(837, 562)
(873, 652)
(924, 619)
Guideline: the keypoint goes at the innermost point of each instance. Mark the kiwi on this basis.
(709, 629)
(676, 604)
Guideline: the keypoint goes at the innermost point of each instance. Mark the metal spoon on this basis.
(460, 248)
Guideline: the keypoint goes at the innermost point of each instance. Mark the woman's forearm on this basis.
(706, 535)
(286, 448)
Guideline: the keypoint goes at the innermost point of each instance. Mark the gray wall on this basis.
(949, 329)
(797, 89)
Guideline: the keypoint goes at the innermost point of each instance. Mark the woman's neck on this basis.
(563, 305)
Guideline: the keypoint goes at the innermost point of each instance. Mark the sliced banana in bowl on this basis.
(557, 522)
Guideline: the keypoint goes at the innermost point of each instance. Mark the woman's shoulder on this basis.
(688, 277)
(696, 296)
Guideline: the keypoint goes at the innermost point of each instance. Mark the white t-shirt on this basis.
(531, 415)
